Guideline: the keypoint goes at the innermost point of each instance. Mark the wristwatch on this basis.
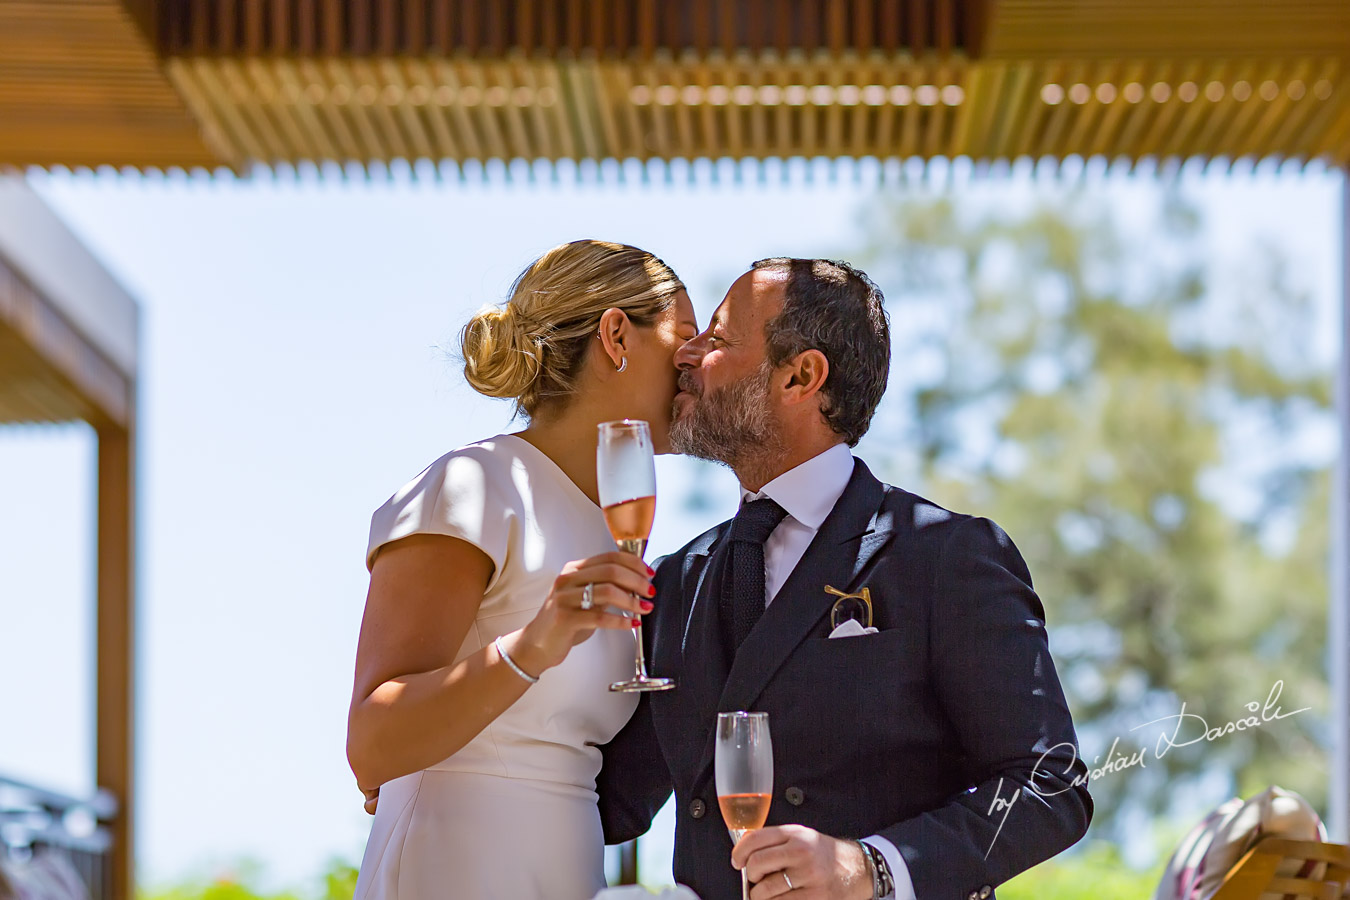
(883, 882)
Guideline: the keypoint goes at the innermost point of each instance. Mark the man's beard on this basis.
(731, 425)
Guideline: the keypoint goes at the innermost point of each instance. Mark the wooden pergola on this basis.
(206, 83)
(243, 84)
(69, 352)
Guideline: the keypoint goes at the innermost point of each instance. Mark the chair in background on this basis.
(1323, 872)
(54, 847)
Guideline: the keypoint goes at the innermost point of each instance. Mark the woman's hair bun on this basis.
(501, 358)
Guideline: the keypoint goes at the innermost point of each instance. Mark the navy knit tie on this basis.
(742, 590)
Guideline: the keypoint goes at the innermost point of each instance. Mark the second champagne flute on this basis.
(625, 469)
(743, 770)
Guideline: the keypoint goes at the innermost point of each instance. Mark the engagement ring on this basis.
(588, 596)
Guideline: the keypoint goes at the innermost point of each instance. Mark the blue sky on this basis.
(294, 374)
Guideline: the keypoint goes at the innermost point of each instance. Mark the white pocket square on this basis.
(851, 628)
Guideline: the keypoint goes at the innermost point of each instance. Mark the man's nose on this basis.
(690, 354)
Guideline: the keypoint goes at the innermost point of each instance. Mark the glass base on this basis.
(633, 685)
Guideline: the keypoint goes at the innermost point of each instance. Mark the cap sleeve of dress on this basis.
(465, 494)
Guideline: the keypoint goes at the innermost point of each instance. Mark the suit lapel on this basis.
(879, 533)
(704, 669)
(699, 555)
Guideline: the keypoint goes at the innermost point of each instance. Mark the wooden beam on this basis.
(491, 28)
(69, 361)
(116, 643)
(1160, 29)
(147, 16)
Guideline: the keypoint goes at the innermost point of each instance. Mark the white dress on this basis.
(512, 815)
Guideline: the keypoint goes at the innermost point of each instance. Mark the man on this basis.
(934, 758)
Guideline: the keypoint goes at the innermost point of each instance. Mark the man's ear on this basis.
(805, 376)
(616, 334)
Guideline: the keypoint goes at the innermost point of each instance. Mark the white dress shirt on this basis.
(809, 492)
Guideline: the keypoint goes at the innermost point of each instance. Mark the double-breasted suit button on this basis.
(973, 895)
(697, 808)
(985, 892)
(795, 796)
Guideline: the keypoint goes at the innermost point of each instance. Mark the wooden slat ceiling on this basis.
(81, 86)
(286, 81)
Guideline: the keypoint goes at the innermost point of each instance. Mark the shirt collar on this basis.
(809, 491)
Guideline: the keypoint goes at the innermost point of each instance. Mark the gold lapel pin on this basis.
(850, 606)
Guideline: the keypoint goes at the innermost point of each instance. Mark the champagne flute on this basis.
(743, 768)
(626, 471)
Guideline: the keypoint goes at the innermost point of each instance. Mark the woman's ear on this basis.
(806, 375)
(616, 333)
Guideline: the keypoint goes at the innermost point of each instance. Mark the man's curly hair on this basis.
(830, 306)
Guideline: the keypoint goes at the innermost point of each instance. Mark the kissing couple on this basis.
(482, 731)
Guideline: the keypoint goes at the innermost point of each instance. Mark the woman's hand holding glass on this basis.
(602, 591)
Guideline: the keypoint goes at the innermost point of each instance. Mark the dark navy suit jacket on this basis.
(911, 733)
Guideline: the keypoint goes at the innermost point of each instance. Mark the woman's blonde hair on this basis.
(532, 348)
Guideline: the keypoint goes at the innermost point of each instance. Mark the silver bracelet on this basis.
(883, 883)
(506, 658)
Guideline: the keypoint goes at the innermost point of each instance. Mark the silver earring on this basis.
(623, 365)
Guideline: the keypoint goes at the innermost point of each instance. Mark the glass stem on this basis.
(637, 547)
(640, 662)
(745, 884)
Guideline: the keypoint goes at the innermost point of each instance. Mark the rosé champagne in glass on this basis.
(625, 468)
(744, 812)
(630, 521)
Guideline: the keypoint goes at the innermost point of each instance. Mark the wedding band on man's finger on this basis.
(787, 880)
(588, 596)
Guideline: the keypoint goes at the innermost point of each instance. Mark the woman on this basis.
(486, 648)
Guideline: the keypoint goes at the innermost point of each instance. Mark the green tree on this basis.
(1099, 873)
(336, 882)
(339, 880)
(1141, 431)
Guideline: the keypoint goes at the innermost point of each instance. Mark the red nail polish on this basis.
(651, 590)
(647, 606)
(650, 570)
